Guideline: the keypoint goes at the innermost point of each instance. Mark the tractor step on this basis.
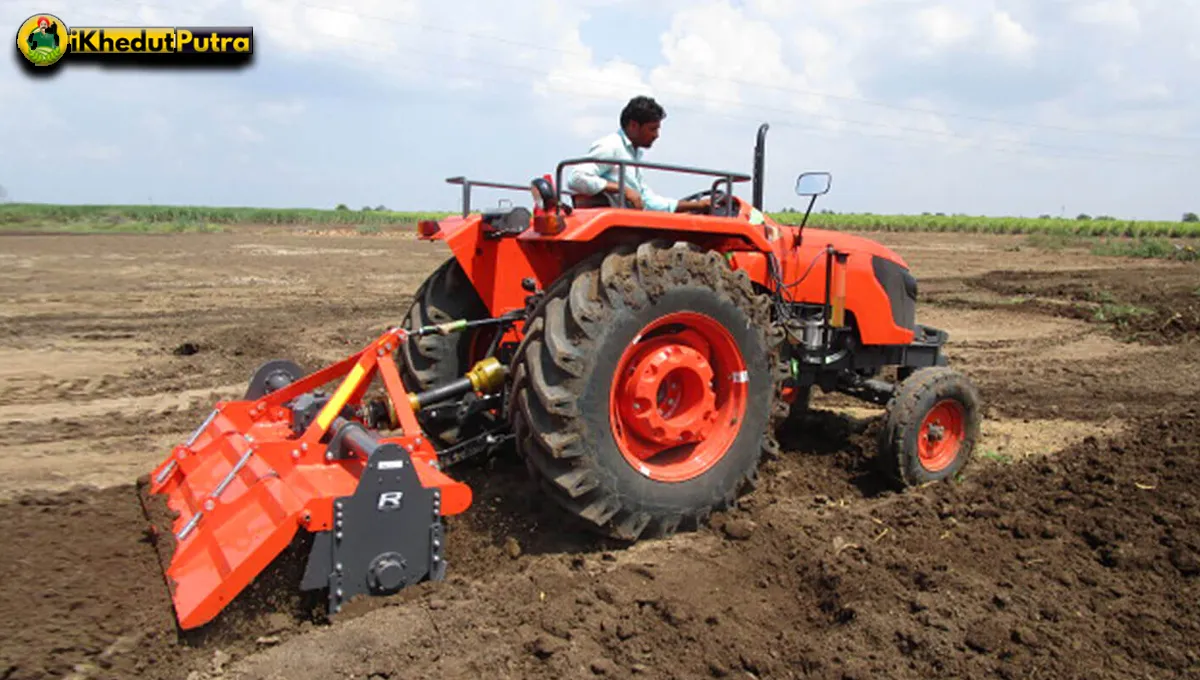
(928, 336)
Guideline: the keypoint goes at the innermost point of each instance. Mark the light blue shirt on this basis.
(590, 178)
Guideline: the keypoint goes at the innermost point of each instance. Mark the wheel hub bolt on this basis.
(936, 433)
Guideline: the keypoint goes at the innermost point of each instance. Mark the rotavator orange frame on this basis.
(243, 484)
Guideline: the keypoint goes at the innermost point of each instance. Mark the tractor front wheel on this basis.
(931, 427)
(647, 389)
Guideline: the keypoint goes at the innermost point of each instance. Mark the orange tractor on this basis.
(640, 362)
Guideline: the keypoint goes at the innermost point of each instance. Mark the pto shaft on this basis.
(350, 437)
(485, 377)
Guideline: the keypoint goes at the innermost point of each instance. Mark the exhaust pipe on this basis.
(760, 153)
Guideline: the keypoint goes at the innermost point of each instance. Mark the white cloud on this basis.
(1127, 86)
(1120, 14)
(943, 26)
(93, 151)
(546, 68)
(156, 125)
(248, 134)
(591, 127)
(718, 39)
(368, 27)
(575, 85)
(968, 26)
(281, 111)
(1012, 38)
(771, 60)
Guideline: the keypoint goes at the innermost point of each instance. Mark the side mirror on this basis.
(813, 183)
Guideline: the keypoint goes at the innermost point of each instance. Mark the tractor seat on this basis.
(604, 199)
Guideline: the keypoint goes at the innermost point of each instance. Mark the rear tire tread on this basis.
(558, 353)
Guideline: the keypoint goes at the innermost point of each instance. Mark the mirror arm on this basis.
(811, 200)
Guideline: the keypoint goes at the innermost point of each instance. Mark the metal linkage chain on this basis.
(471, 448)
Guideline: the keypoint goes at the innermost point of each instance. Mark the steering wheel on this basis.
(721, 202)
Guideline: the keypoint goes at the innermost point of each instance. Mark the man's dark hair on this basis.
(642, 110)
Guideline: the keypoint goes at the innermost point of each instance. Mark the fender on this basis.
(500, 266)
(497, 264)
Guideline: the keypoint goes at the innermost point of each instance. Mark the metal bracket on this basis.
(385, 537)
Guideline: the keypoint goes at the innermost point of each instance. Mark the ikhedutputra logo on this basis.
(44, 39)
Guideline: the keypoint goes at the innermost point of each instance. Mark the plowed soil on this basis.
(1068, 549)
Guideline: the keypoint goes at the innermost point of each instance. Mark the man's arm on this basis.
(658, 203)
(587, 178)
(654, 201)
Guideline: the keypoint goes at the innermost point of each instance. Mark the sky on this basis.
(1000, 107)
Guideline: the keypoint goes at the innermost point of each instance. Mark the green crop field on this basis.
(150, 218)
(154, 218)
(995, 225)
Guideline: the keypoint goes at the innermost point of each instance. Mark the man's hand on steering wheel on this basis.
(708, 202)
(695, 205)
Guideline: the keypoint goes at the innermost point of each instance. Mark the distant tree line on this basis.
(1187, 217)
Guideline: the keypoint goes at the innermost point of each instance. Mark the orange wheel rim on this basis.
(678, 397)
(941, 435)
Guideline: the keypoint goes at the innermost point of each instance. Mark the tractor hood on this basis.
(846, 242)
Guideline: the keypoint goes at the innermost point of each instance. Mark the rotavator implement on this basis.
(640, 362)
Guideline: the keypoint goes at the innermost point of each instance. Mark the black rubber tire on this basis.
(563, 373)
(913, 399)
(258, 388)
(445, 295)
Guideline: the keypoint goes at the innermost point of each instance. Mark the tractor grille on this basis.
(901, 290)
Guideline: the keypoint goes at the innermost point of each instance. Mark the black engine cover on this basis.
(901, 290)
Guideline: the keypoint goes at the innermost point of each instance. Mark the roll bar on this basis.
(725, 176)
(468, 184)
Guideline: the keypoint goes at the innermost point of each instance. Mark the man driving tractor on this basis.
(640, 122)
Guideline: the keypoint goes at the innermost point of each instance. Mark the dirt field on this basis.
(1069, 550)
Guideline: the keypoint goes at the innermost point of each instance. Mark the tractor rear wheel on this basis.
(646, 389)
(931, 427)
(446, 295)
